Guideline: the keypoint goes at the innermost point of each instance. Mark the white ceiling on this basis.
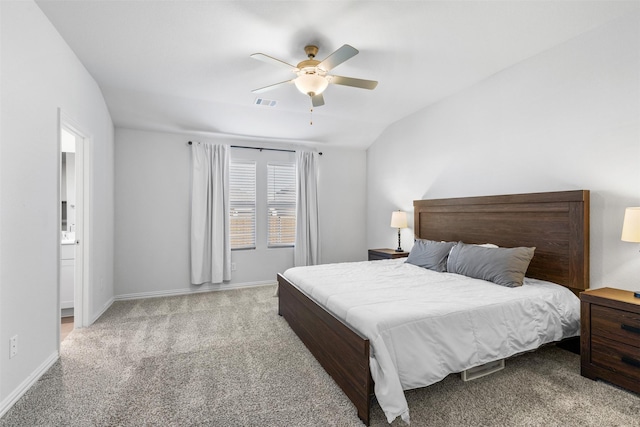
(184, 66)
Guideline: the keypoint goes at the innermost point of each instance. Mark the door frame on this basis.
(83, 219)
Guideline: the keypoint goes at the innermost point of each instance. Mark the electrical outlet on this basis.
(233, 266)
(13, 346)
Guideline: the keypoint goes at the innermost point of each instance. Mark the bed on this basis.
(556, 224)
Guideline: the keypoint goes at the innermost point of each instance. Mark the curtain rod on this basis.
(261, 148)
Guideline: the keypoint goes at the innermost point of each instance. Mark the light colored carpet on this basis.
(227, 359)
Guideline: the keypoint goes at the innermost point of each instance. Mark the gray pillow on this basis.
(504, 266)
(430, 254)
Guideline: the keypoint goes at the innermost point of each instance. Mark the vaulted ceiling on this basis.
(185, 66)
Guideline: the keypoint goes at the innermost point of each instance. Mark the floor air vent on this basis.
(482, 370)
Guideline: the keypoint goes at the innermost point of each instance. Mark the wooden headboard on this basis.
(556, 223)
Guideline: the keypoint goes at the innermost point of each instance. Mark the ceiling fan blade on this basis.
(350, 81)
(273, 86)
(271, 60)
(317, 100)
(338, 57)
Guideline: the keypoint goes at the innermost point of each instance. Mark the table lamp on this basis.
(399, 220)
(631, 230)
(631, 225)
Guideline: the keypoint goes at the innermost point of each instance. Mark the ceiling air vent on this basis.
(265, 102)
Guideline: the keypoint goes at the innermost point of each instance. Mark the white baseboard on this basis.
(16, 394)
(193, 290)
(104, 308)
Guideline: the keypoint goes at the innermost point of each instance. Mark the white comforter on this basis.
(424, 325)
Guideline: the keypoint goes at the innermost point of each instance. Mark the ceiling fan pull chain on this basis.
(311, 116)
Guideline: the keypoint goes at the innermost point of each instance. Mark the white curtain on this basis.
(307, 248)
(210, 241)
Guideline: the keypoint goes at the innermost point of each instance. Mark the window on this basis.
(242, 204)
(281, 204)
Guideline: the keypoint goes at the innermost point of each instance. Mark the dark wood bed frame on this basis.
(556, 223)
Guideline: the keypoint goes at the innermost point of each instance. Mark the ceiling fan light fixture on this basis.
(311, 84)
(312, 76)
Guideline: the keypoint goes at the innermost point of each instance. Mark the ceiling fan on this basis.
(312, 76)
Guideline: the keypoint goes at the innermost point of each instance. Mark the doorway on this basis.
(73, 225)
(68, 228)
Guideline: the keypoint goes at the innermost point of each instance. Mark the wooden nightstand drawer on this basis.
(618, 325)
(616, 356)
(610, 337)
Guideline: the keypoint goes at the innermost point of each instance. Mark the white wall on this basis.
(152, 214)
(565, 119)
(342, 195)
(40, 75)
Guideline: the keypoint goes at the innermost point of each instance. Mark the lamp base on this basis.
(399, 247)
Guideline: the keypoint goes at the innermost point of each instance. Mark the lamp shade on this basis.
(311, 84)
(631, 225)
(399, 219)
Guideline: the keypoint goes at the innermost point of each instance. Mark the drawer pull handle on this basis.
(631, 361)
(630, 328)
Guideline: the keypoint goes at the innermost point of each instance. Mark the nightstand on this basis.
(376, 254)
(610, 337)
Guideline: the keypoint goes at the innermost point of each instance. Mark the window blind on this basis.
(281, 204)
(242, 204)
